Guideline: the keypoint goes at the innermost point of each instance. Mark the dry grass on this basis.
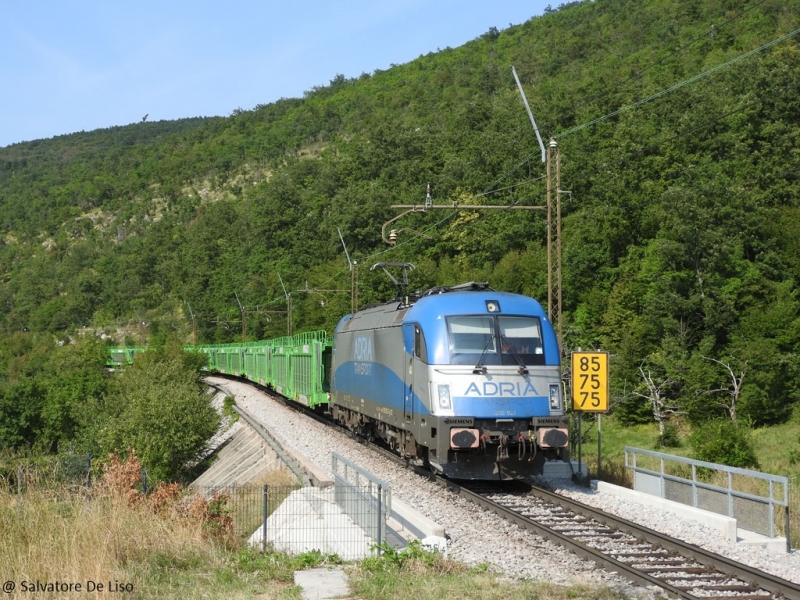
(96, 534)
(77, 539)
(278, 477)
(112, 534)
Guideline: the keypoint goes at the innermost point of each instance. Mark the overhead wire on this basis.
(629, 107)
(680, 134)
(670, 89)
(530, 155)
(712, 31)
(419, 234)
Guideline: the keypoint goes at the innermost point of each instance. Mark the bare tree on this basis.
(657, 393)
(733, 389)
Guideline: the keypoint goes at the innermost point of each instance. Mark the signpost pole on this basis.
(580, 447)
(599, 445)
(589, 394)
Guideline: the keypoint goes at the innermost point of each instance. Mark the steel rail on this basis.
(775, 585)
(578, 548)
(725, 565)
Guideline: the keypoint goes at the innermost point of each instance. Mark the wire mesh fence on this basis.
(289, 518)
(347, 519)
(241, 506)
(62, 472)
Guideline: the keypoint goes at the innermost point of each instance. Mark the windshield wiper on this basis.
(480, 367)
(523, 370)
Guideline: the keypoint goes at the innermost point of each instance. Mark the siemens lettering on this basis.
(504, 388)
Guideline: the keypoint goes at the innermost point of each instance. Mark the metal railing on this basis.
(751, 497)
(348, 519)
(363, 497)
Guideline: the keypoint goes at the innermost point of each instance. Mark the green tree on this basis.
(20, 413)
(158, 407)
(74, 377)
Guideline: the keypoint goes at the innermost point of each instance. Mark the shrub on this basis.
(724, 442)
(670, 437)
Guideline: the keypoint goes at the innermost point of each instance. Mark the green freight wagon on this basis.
(297, 367)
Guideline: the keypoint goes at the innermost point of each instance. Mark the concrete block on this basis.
(558, 469)
(776, 545)
(322, 583)
(725, 525)
(409, 520)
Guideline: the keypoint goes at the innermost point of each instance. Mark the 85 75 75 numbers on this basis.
(590, 381)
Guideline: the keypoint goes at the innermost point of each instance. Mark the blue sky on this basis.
(79, 65)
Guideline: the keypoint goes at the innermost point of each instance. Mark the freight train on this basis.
(462, 379)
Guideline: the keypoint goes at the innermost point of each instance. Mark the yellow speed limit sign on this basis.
(590, 381)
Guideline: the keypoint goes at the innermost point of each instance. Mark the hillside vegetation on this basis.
(679, 127)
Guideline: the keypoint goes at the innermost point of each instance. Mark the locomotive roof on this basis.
(430, 309)
(412, 298)
(472, 286)
(393, 313)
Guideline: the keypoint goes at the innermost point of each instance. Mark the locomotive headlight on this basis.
(555, 396)
(444, 395)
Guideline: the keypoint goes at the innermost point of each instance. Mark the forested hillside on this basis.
(678, 122)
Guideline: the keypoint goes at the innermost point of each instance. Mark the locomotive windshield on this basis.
(495, 340)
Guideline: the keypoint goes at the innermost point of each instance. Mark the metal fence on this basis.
(754, 499)
(65, 471)
(244, 505)
(347, 520)
(366, 499)
(794, 509)
(298, 520)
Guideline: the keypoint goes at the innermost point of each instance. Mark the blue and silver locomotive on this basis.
(463, 379)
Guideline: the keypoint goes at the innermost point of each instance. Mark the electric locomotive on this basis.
(463, 379)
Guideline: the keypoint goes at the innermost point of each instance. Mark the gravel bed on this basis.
(482, 539)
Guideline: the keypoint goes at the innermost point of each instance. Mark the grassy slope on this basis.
(772, 444)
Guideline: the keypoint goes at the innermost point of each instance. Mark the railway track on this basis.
(641, 555)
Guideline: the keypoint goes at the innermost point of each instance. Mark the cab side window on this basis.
(420, 349)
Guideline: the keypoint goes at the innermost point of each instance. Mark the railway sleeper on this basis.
(669, 562)
(710, 574)
(716, 588)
